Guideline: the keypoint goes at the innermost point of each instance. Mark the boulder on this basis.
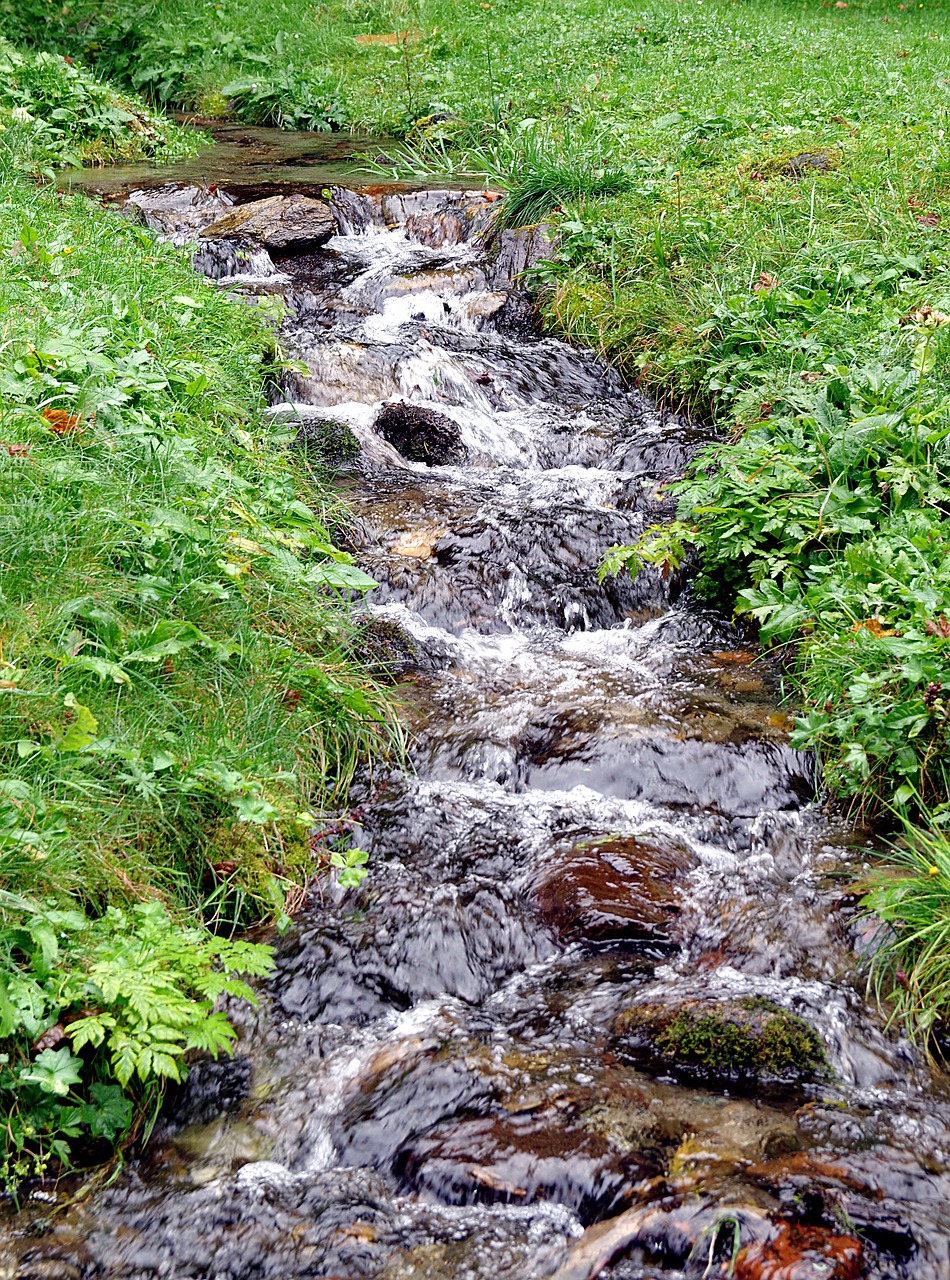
(613, 891)
(289, 224)
(749, 1039)
(421, 435)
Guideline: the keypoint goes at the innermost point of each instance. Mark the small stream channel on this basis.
(461, 1069)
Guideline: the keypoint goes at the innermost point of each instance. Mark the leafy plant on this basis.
(67, 116)
(97, 1015)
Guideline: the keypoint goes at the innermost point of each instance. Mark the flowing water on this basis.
(602, 817)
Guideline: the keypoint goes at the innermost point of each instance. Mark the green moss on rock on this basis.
(737, 1039)
(329, 444)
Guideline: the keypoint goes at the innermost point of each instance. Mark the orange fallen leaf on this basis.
(876, 628)
(765, 281)
(64, 423)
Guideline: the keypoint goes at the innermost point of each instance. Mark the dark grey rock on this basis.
(421, 435)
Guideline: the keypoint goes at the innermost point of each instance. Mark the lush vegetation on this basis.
(752, 202)
(56, 113)
(182, 694)
(751, 216)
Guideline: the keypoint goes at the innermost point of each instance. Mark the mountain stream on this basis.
(488, 1062)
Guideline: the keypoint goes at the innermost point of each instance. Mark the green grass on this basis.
(911, 965)
(791, 299)
(180, 682)
(183, 686)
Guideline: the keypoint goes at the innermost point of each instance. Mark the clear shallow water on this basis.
(603, 813)
(249, 161)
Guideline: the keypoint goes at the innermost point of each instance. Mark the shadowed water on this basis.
(602, 815)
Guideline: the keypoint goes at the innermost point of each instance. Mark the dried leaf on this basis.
(50, 1038)
(876, 628)
(64, 424)
(939, 628)
(391, 38)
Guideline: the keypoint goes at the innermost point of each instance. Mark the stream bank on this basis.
(605, 857)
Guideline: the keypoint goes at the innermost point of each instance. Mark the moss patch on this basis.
(728, 1039)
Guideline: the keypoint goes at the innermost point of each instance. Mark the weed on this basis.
(910, 968)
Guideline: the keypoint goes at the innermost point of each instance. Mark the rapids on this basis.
(602, 815)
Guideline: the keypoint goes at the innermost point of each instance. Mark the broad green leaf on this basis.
(55, 1071)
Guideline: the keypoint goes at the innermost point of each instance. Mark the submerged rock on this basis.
(519, 1159)
(421, 435)
(797, 1252)
(292, 224)
(747, 1039)
(611, 891)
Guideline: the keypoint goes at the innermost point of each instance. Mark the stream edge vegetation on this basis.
(751, 204)
(185, 686)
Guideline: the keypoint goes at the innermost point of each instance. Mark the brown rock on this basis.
(795, 1252)
(612, 891)
(292, 224)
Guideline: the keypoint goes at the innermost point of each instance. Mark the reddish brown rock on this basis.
(795, 1252)
(612, 891)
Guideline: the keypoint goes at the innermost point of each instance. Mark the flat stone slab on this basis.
(293, 224)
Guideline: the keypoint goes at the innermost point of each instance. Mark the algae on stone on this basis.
(750, 1038)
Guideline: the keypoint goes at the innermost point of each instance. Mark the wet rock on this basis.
(212, 1089)
(417, 544)
(178, 211)
(671, 1232)
(733, 778)
(796, 1252)
(746, 1039)
(290, 224)
(329, 443)
(612, 891)
(421, 435)
(48, 1269)
(519, 1159)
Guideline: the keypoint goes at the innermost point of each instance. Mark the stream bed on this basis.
(503, 1055)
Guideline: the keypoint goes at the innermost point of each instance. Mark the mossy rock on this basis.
(749, 1039)
(328, 444)
(386, 647)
